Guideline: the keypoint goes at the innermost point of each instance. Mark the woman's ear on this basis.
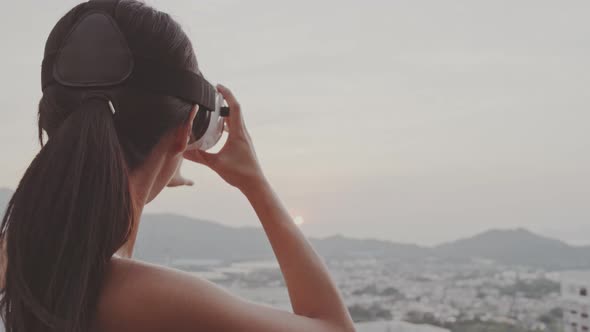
(184, 132)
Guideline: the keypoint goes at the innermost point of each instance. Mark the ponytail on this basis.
(70, 213)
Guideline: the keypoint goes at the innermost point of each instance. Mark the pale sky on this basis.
(414, 121)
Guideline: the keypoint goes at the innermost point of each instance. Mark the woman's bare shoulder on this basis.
(139, 296)
(144, 297)
(122, 271)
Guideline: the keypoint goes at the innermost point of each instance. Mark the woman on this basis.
(71, 226)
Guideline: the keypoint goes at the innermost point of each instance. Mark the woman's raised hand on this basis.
(236, 162)
(179, 180)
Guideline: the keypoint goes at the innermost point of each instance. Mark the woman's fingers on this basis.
(236, 119)
(226, 125)
(181, 181)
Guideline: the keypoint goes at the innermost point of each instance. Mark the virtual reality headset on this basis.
(96, 56)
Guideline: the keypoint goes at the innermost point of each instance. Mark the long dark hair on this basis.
(73, 208)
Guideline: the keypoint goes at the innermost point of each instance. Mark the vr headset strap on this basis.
(95, 55)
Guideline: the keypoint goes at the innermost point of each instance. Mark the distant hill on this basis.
(520, 247)
(340, 246)
(167, 236)
(163, 237)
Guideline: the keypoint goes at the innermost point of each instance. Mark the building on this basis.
(575, 286)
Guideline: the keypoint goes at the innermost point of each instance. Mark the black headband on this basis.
(95, 54)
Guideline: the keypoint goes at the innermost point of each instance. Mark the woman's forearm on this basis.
(312, 291)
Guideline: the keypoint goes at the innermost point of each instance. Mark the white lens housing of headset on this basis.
(214, 122)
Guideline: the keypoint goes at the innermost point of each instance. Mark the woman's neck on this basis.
(140, 187)
(145, 183)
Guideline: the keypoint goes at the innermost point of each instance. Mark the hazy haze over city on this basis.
(415, 121)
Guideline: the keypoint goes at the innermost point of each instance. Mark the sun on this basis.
(298, 220)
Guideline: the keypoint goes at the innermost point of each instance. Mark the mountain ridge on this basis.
(167, 236)
(507, 246)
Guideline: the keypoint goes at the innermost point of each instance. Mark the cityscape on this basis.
(390, 295)
(510, 280)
